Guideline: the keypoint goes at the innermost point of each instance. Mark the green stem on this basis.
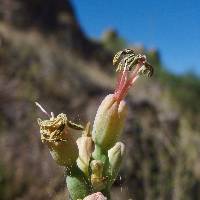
(99, 154)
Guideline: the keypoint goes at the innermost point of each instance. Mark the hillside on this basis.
(46, 57)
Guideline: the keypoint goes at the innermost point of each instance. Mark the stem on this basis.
(101, 155)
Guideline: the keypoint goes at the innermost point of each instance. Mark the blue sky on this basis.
(172, 26)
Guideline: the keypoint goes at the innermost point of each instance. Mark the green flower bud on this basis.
(85, 147)
(78, 186)
(55, 133)
(97, 179)
(115, 155)
(109, 122)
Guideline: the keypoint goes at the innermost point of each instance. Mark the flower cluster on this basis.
(92, 162)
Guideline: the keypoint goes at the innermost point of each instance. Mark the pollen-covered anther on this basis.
(52, 130)
(129, 67)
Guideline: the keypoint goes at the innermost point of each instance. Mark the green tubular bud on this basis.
(109, 122)
(85, 147)
(62, 146)
(115, 155)
(78, 186)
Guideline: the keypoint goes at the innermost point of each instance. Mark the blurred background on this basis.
(59, 53)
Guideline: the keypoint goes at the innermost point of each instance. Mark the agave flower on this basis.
(109, 120)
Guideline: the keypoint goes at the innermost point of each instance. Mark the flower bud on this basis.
(77, 184)
(96, 196)
(109, 122)
(62, 146)
(85, 147)
(115, 155)
(97, 179)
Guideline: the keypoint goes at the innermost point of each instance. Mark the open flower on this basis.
(109, 120)
(129, 68)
